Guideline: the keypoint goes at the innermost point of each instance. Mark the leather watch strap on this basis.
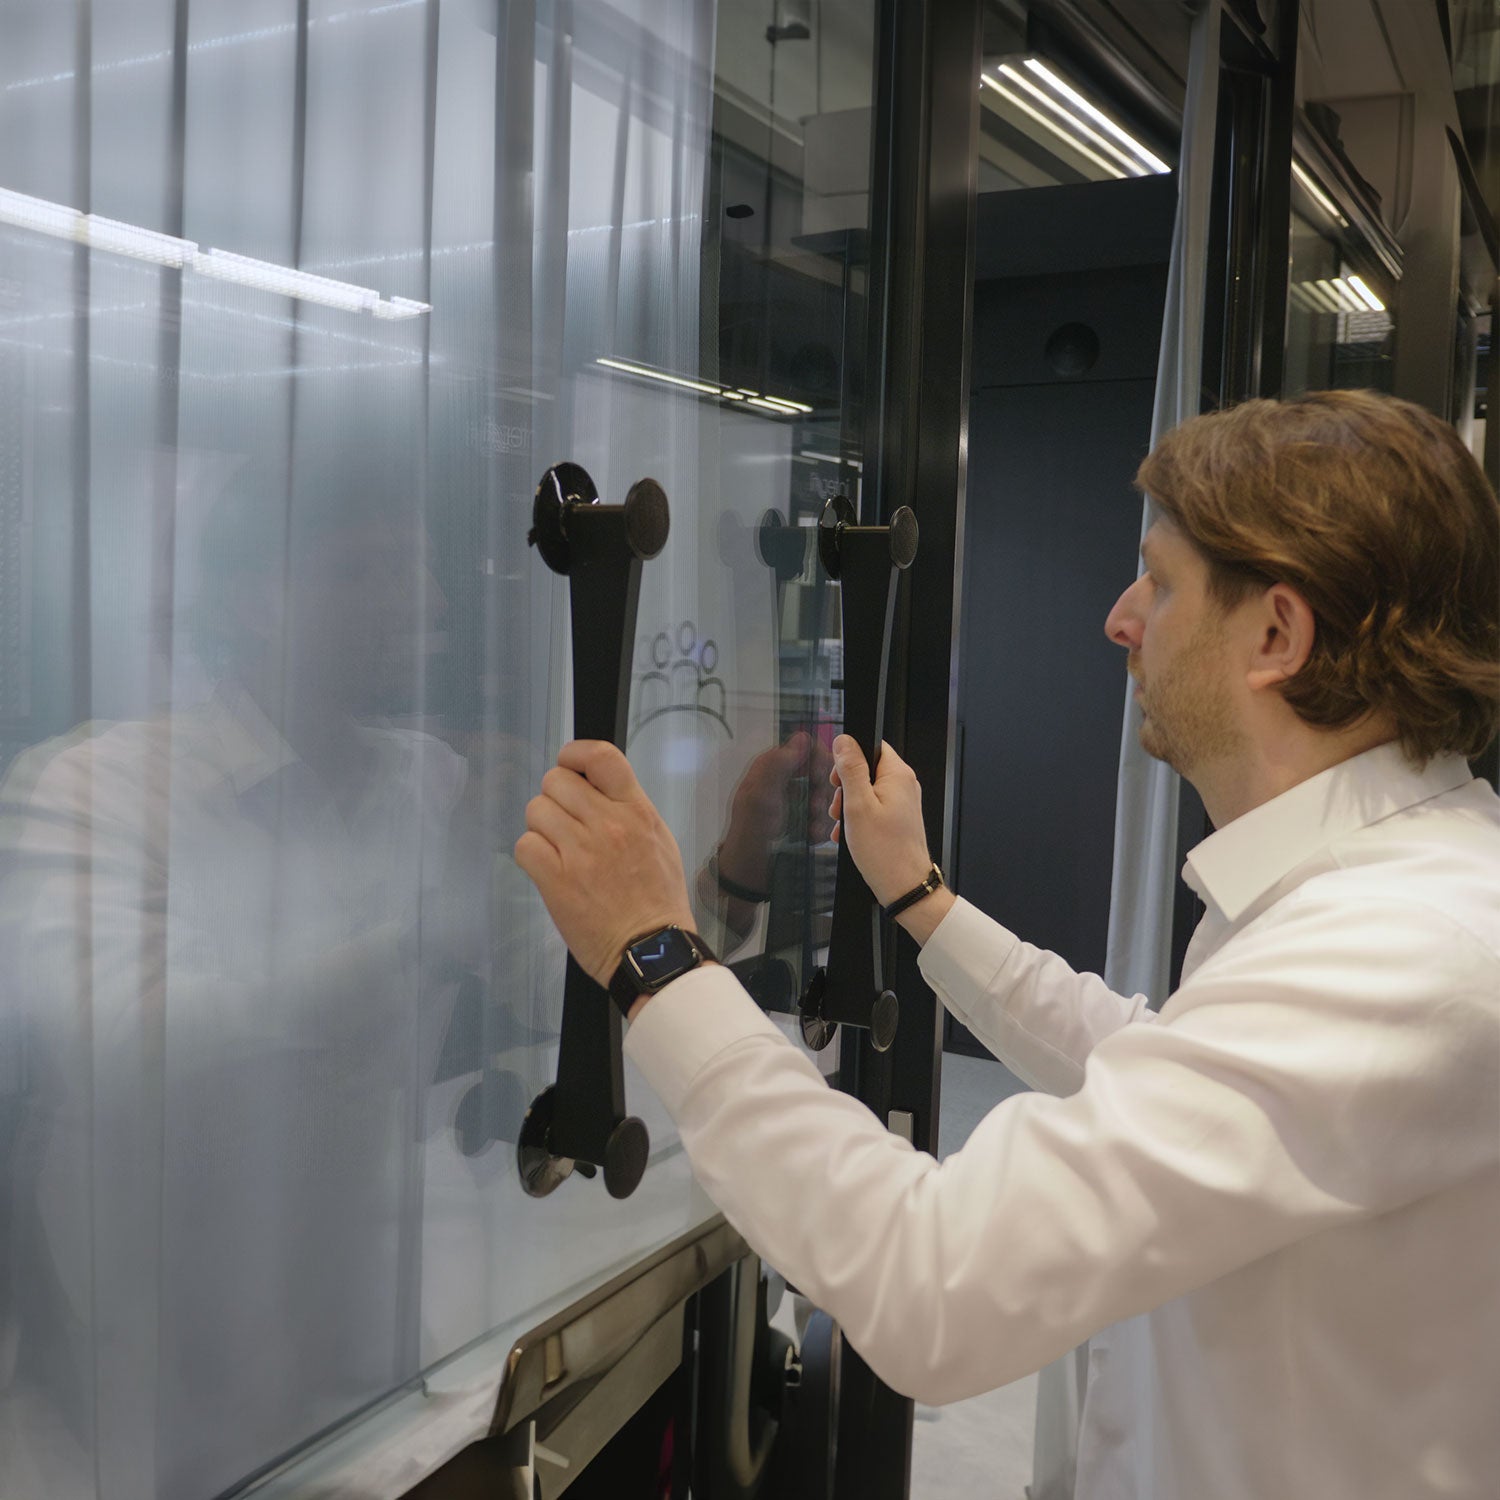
(930, 883)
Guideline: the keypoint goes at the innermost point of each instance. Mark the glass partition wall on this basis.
(298, 299)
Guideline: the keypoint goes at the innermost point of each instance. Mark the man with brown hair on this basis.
(1282, 1192)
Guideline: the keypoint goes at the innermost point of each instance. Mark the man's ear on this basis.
(1286, 631)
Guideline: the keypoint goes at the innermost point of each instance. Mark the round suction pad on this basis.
(884, 1015)
(646, 519)
(541, 1171)
(838, 512)
(816, 1032)
(561, 486)
(903, 537)
(625, 1155)
(780, 547)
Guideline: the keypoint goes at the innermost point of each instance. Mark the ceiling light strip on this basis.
(1365, 295)
(112, 235)
(1070, 140)
(1134, 167)
(1315, 192)
(1148, 158)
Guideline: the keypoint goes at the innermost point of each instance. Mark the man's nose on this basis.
(1124, 624)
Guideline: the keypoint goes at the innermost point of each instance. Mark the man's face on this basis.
(1180, 648)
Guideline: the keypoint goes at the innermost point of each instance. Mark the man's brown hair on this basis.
(1376, 513)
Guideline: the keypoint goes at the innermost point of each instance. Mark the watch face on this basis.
(660, 958)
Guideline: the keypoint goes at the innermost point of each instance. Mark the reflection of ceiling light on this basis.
(1152, 161)
(222, 265)
(641, 370)
(98, 233)
(831, 458)
(1338, 294)
(1068, 114)
(1316, 193)
(141, 244)
(1365, 295)
(1072, 122)
(782, 406)
(1065, 135)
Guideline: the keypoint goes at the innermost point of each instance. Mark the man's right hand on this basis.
(882, 823)
(883, 826)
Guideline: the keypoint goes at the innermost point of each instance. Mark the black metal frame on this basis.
(924, 180)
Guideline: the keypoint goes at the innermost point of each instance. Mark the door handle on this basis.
(868, 562)
(580, 1120)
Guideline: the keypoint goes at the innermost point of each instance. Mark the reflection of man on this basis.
(1288, 1182)
(772, 805)
(220, 925)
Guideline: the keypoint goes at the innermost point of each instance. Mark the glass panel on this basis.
(1340, 333)
(1041, 124)
(278, 671)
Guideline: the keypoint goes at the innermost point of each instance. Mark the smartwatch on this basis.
(654, 961)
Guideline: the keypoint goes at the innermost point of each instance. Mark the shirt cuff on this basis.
(682, 1027)
(963, 955)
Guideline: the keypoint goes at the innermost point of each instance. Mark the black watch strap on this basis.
(933, 880)
(626, 985)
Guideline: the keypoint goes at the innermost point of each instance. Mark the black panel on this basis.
(1060, 417)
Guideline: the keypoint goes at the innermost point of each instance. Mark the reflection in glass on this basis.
(1340, 333)
(313, 295)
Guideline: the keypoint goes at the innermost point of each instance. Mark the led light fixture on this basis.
(1315, 192)
(1153, 162)
(131, 240)
(1046, 97)
(1365, 295)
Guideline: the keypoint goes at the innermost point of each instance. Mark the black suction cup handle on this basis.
(838, 513)
(647, 520)
(561, 487)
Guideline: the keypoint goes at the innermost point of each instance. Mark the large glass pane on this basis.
(297, 301)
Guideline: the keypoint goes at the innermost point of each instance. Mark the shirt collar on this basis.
(1239, 863)
(251, 749)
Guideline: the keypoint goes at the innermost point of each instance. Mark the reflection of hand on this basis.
(502, 772)
(605, 863)
(881, 822)
(758, 809)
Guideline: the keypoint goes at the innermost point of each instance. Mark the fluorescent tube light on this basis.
(139, 244)
(1316, 193)
(405, 307)
(1134, 167)
(790, 405)
(244, 270)
(1365, 295)
(1148, 158)
(26, 212)
(1071, 140)
(119, 238)
(1343, 295)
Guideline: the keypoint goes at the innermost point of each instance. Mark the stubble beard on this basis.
(1188, 720)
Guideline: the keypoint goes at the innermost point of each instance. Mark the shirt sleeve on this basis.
(1034, 1012)
(1296, 1086)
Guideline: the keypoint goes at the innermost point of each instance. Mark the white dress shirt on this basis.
(217, 973)
(1284, 1189)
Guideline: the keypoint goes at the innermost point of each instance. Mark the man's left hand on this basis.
(605, 863)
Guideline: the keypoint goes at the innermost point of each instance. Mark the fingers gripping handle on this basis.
(868, 562)
(581, 1121)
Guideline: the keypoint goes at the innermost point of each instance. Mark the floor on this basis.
(978, 1449)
